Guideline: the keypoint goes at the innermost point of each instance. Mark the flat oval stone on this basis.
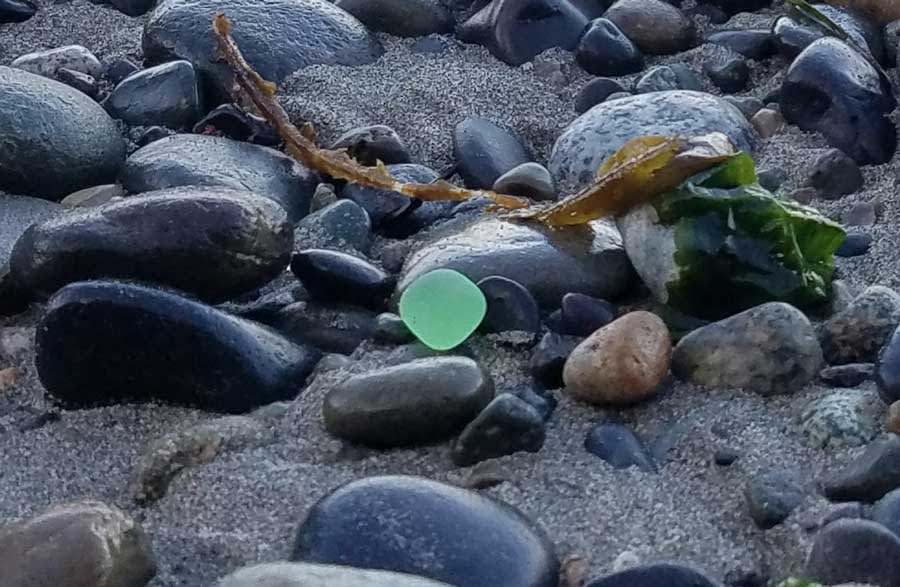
(605, 50)
(510, 307)
(583, 315)
(507, 425)
(56, 140)
(198, 160)
(305, 32)
(599, 132)
(409, 404)
(655, 27)
(16, 10)
(155, 345)
(855, 551)
(211, 242)
(484, 151)
(403, 18)
(312, 575)
(595, 92)
(870, 476)
(460, 537)
(887, 512)
(165, 95)
(656, 575)
(334, 276)
(617, 445)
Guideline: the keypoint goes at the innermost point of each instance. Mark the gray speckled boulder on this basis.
(600, 131)
(200, 160)
(769, 349)
(846, 417)
(314, 575)
(277, 37)
(54, 140)
(857, 334)
(548, 263)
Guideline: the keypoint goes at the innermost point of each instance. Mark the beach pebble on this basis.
(655, 575)
(803, 195)
(749, 106)
(549, 358)
(459, 535)
(79, 81)
(516, 32)
(316, 575)
(582, 315)
(386, 207)
(338, 224)
(736, 6)
(869, 476)
(56, 140)
(858, 333)
(834, 174)
(849, 375)
(402, 18)
(860, 214)
(730, 75)
(549, 264)
(772, 496)
(663, 78)
(153, 134)
(530, 180)
(605, 50)
(598, 133)
(855, 551)
(156, 345)
(622, 363)
(305, 33)
(196, 445)
(391, 329)
(596, 91)
(770, 349)
(196, 160)
(617, 445)
(510, 307)
(657, 28)
(725, 457)
(752, 44)
(166, 95)
(544, 403)
(16, 10)
(791, 37)
(887, 512)
(887, 369)
(507, 425)
(371, 144)
(415, 403)
(856, 244)
(80, 544)
(767, 123)
(330, 327)
(843, 418)
(133, 7)
(485, 151)
(892, 422)
(214, 243)
(19, 214)
(231, 122)
(47, 63)
(334, 276)
(117, 69)
(850, 102)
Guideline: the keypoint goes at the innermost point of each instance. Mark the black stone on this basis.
(419, 402)
(855, 551)
(549, 358)
(771, 497)
(383, 206)
(582, 315)
(82, 82)
(20, 213)
(856, 244)
(655, 575)
(510, 307)
(390, 328)
(730, 76)
(134, 7)
(832, 89)
(887, 369)
(402, 18)
(835, 174)
(17, 10)
(333, 276)
(231, 122)
(887, 512)
(772, 179)
(371, 144)
(139, 343)
(165, 95)
(791, 37)
(331, 328)
(870, 476)
(605, 50)
(460, 537)
(188, 160)
(596, 91)
(506, 426)
(336, 225)
(751, 44)
(847, 375)
(214, 243)
(544, 403)
(736, 6)
(153, 134)
(725, 457)
(485, 151)
(617, 445)
(120, 68)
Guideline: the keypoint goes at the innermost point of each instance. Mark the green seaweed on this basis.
(737, 245)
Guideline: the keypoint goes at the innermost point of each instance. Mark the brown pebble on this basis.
(767, 122)
(893, 418)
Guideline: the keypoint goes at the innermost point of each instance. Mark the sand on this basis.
(245, 506)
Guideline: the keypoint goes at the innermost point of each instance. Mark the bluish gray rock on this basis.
(485, 151)
(19, 213)
(166, 95)
(47, 63)
(855, 551)
(403, 18)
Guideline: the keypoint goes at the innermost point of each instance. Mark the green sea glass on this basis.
(442, 308)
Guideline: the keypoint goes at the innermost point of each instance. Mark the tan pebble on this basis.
(767, 122)
(622, 363)
(893, 418)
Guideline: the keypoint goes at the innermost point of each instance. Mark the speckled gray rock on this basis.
(47, 63)
(166, 95)
(403, 18)
(855, 551)
(56, 140)
(342, 223)
(82, 544)
(843, 418)
(19, 213)
(769, 349)
(305, 32)
(198, 160)
(548, 263)
(657, 28)
(315, 575)
(599, 132)
(857, 334)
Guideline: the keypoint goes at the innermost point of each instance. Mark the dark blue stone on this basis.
(422, 527)
(16, 10)
(332, 328)
(605, 50)
(887, 369)
(384, 206)
(856, 244)
(596, 91)
(656, 575)
(230, 121)
(887, 512)
(549, 358)
(617, 445)
(485, 151)
(730, 75)
(582, 315)
(507, 425)
(751, 44)
(544, 403)
(333, 276)
(510, 307)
